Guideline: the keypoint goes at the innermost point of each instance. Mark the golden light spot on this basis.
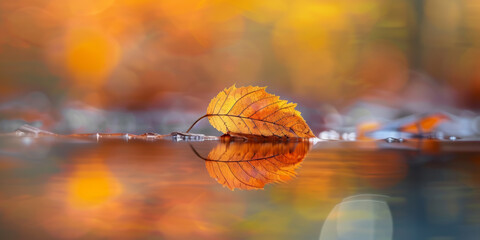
(91, 185)
(90, 55)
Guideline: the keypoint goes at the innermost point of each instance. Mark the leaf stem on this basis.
(196, 153)
(206, 115)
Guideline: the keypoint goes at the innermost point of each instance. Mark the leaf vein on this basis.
(243, 97)
(259, 101)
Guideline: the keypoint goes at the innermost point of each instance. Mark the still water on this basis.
(54, 188)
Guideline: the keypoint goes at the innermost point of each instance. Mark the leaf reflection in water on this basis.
(253, 165)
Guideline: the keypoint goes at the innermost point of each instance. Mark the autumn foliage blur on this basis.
(128, 54)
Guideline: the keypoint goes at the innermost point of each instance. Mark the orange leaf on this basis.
(252, 111)
(426, 124)
(252, 165)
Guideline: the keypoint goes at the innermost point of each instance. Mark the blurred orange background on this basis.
(146, 54)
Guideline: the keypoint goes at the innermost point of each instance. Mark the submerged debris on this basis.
(394, 140)
(28, 130)
(179, 136)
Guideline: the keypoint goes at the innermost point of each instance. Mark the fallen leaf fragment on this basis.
(425, 124)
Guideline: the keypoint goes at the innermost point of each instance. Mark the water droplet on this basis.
(349, 136)
(352, 136)
(390, 139)
(323, 135)
(334, 135)
(453, 138)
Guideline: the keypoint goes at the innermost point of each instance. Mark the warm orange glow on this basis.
(89, 7)
(321, 184)
(90, 55)
(343, 172)
(32, 24)
(135, 66)
(426, 124)
(181, 7)
(91, 185)
(307, 41)
(265, 11)
(364, 128)
(332, 51)
(200, 32)
(383, 65)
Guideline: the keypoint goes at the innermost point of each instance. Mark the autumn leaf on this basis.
(253, 165)
(425, 124)
(253, 111)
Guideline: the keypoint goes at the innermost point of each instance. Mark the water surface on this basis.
(116, 189)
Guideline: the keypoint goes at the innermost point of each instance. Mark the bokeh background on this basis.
(149, 65)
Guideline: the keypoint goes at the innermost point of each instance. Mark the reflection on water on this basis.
(360, 217)
(252, 165)
(114, 189)
(91, 183)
